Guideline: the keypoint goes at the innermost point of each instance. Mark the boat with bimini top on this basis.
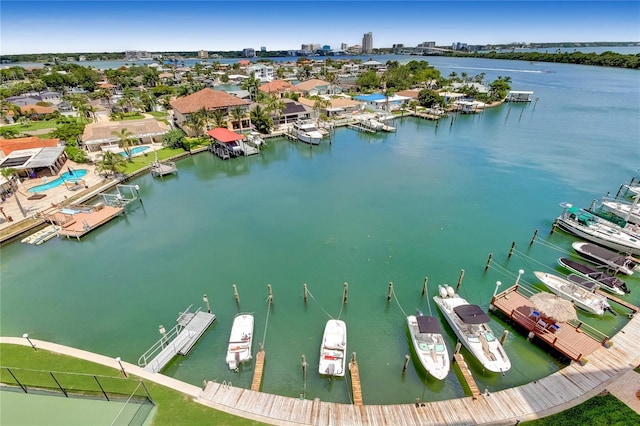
(588, 226)
(471, 325)
(428, 343)
(306, 132)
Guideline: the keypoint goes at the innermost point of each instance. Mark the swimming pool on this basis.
(134, 151)
(70, 175)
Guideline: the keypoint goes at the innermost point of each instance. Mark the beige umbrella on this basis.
(554, 307)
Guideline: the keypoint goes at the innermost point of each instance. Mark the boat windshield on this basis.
(489, 337)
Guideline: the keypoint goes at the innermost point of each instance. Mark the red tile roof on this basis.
(224, 135)
(7, 146)
(206, 98)
(276, 86)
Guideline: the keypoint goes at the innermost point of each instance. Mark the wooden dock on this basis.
(466, 374)
(559, 391)
(362, 128)
(257, 372)
(356, 388)
(77, 223)
(178, 341)
(633, 308)
(573, 341)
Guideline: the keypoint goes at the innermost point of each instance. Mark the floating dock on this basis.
(575, 341)
(178, 341)
(43, 235)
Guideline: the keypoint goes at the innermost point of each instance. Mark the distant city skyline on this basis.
(114, 26)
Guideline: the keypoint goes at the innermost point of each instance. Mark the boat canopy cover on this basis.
(427, 324)
(580, 215)
(471, 314)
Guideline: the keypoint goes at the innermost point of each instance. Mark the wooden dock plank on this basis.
(565, 386)
(257, 371)
(466, 373)
(355, 383)
(83, 222)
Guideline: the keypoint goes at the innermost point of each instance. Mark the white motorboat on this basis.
(605, 281)
(588, 226)
(471, 325)
(604, 257)
(306, 132)
(580, 296)
(239, 349)
(255, 140)
(426, 335)
(333, 348)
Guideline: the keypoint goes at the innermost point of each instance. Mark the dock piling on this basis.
(390, 291)
(513, 245)
(345, 292)
(535, 234)
(406, 363)
(488, 262)
(270, 293)
(205, 299)
(504, 337)
(424, 286)
(305, 294)
(235, 293)
(460, 278)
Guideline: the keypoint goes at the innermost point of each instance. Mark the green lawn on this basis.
(602, 410)
(158, 114)
(142, 161)
(33, 125)
(173, 407)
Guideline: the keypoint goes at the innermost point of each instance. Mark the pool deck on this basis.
(608, 369)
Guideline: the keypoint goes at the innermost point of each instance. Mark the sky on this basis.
(71, 26)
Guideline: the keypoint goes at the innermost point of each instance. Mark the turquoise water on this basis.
(135, 150)
(66, 176)
(425, 201)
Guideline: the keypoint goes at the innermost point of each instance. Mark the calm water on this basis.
(426, 201)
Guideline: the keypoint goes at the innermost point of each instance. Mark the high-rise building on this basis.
(249, 52)
(367, 43)
(344, 46)
(263, 48)
(203, 54)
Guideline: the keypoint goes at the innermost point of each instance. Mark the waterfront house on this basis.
(292, 111)
(208, 99)
(276, 88)
(314, 87)
(32, 157)
(337, 106)
(99, 137)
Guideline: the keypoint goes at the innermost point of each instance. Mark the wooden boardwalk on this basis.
(355, 382)
(466, 374)
(634, 309)
(570, 340)
(257, 372)
(559, 391)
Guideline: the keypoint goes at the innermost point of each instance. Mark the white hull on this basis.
(333, 349)
(601, 234)
(239, 349)
(602, 256)
(477, 338)
(581, 297)
(307, 133)
(629, 212)
(430, 349)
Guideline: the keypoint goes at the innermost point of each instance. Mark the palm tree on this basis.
(320, 104)
(197, 120)
(238, 113)
(251, 84)
(276, 106)
(261, 119)
(219, 118)
(110, 162)
(125, 140)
